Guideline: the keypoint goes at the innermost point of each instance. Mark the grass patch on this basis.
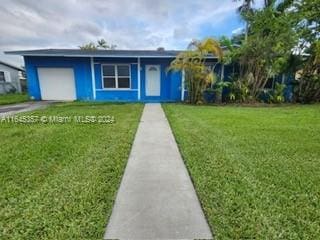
(13, 98)
(58, 181)
(256, 170)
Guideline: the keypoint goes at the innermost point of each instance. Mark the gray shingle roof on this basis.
(99, 53)
(96, 53)
(11, 66)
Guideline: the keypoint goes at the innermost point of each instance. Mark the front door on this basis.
(153, 80)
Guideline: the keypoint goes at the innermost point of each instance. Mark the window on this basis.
(269, 83)
(116, 76)
(210, 66)
(153, 69)
(2, 77)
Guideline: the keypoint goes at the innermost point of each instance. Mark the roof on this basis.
(95, 53)
(98, 53)
(11, 66)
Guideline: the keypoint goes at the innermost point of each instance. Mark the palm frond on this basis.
(211, 46)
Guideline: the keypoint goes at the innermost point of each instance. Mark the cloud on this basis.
(237, 30)
(139, 24)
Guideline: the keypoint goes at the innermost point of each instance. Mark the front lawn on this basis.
(256, 170)
(12, 98)
(59, 181)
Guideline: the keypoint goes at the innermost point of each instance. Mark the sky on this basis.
(130, 24)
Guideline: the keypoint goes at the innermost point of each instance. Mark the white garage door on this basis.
(57, 83)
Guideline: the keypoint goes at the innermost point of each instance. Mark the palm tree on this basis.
(284, 5)
(268, 3)
(246, 5)
(102, 44)
(244, 9)
(89, 46)
(207, 46)
(192, 62)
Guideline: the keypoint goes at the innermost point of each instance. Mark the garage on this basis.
(57, 83)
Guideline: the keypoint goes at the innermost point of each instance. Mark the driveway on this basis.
(7, 110)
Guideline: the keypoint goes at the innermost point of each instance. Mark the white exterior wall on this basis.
(14, 77)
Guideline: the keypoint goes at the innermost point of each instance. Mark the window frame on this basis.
(116, 76)
(272, 84)
(4, 77)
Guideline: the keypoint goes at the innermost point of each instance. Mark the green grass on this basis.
(256, 170)
(13, 98)
(59, 181)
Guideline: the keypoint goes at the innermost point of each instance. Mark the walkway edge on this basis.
(156, 198)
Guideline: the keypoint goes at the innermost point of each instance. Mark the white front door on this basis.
(57, 83)
(153, 80)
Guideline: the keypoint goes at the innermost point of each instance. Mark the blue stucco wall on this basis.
(170, 81)
(81, 68)
(130, 95)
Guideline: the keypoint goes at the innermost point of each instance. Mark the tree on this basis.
(284, 5)
(88, 46)
(197, 75)
(230, 55)
(308, 27)
(282, 36)
(245, 9)
(308, 82)
(101, 44)
(269, 3)
(268, 47)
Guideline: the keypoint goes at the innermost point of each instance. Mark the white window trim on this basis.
(93, 79)
(115, 89)
(116, 76)
(272, 85)
(7, 76)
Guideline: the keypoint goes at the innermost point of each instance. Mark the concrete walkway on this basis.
(11, 109)
(156, 198)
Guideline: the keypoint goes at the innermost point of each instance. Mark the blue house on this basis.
(103, 75)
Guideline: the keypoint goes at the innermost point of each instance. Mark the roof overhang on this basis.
(98, 54)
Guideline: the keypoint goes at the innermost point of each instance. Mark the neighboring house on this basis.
(10, 78)
(103, 75)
